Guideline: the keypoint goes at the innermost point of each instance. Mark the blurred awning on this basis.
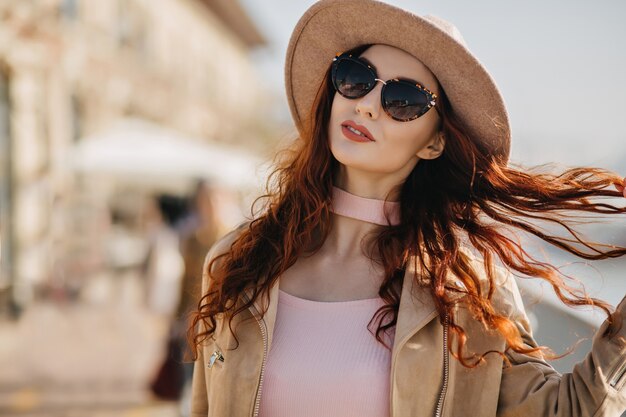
(136, 150)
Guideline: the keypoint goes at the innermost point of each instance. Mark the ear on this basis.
(434, 148)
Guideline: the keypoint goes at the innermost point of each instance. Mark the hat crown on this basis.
(447, 27)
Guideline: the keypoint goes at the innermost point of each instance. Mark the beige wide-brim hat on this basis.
(332, 26)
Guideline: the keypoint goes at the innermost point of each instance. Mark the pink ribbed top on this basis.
(325, 362)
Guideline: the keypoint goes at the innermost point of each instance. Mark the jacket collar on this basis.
(416, 308)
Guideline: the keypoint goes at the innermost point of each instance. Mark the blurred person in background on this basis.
(164, 265)
(164, 268)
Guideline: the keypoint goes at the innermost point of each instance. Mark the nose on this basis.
(370, 103)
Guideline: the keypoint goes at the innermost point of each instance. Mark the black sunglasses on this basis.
(403, 100)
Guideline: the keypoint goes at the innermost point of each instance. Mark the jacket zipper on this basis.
(619, 372)
(262, 326)
(444, 387)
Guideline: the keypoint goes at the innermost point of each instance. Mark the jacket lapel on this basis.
(416, 308)
(270, 316)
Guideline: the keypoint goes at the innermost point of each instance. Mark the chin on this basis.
(371, 162)
(349, 158)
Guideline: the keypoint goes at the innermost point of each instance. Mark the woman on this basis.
(368, 286)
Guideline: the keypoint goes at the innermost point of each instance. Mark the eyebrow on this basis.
(400, 78)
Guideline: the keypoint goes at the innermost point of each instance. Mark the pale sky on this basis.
(560, 65)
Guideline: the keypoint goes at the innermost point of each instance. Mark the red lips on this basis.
(360, 128)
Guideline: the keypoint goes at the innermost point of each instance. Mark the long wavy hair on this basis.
(472, 196)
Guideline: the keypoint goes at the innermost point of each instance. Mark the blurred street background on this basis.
(134, 133)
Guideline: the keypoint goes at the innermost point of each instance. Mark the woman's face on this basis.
(397, 146)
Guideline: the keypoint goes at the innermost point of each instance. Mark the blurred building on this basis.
(69, 68)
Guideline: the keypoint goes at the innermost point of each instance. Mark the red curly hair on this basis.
(472, 196)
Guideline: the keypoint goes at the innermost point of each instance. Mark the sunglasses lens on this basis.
(352, 79)
(404, 101)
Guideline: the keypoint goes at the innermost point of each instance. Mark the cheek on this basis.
(340, 106)
(394, 154)
(339, 112)
(400, 146)
(405, 142)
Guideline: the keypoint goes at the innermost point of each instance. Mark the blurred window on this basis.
(5, 183)
(131, 27)
(77, 118)
(69, 9)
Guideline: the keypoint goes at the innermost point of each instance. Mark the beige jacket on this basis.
(425, 380)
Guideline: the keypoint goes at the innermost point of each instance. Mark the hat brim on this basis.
(332, 26)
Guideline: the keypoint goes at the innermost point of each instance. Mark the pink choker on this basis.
(367, 209)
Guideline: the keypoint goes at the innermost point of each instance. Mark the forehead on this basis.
(391, 62)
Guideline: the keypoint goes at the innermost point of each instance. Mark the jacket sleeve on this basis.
(596, 387)
(199, 391)
(199, 385)
(199, 397)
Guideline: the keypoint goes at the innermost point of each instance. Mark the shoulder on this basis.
(221, 246)
(506, 299)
